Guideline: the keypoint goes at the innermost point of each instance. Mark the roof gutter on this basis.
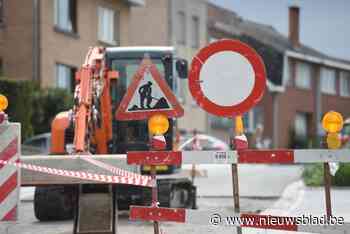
(321, 61)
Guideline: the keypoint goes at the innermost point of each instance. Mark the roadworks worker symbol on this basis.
(148, 94)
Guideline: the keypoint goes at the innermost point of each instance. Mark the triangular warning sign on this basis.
(148, 94)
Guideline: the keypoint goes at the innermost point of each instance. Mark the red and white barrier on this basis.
(109, 179)
(242, 156)
(9, 175)
(214, 218)
(115, 170)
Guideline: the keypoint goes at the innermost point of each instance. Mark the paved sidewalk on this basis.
(301, 200)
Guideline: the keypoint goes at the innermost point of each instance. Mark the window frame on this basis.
(305, 120)
(344, 76)
(71, 83)
(102, 11)
(195, 32)
(325, 89)
(2, 12)
(72, 15)
(181, 37)
(300, 75)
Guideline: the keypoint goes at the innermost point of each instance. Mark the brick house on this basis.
(47, 40)
(303, 83)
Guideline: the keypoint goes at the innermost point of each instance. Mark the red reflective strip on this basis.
(9, 151)
(158, 144)
(154, 157)
(240, 144)
(269, 222)
(11, 215)
(8, 187)
(266, 156)
(157, 214)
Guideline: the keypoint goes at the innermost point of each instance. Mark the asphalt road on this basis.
(253, 180)
(260, 187)
(28, 224)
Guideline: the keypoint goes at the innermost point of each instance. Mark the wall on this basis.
(58, 47)
(149, 25)
(16, 39)
(195, 117)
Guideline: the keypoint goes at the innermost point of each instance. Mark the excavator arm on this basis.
(91, 114)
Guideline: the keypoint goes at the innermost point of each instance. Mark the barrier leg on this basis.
(327, 189)
(239, 143)
(10, 138)
(96, 210)
(154, 198)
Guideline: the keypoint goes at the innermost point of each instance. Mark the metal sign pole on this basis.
(154, 196)
(158, 143)
(236, 145)
(327, 189)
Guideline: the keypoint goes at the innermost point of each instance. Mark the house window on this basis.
(108, 22)
(181, 34)
(345, 84)
(66, 15)
(1, 67)
(303, 75)
(195, 32)
(328, 80)
(65, 77)
(300, 125)
(1, 11)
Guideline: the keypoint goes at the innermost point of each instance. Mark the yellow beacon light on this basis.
(239, 127)
(3, 103)
(158, 124)
(332, 122)
(333, 141)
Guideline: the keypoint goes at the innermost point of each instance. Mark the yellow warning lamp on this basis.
(239, 127)
(3, 103)
(332, 123)
(158, 124)
(333, 141)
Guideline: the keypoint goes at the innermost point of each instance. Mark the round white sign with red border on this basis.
(227, 78)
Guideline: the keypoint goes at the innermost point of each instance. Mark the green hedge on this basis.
(313, 175)
(20, 97)
(46, 104)
(33, 107)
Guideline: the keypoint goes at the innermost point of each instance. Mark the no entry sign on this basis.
(227, 78)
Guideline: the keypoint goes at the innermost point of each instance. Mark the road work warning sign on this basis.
(148, 94)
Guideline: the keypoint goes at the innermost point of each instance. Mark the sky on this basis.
(324, 24)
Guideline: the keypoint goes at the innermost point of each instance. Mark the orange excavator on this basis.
(89, 128)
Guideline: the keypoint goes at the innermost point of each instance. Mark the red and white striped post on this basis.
(158, 143)
(10, 136)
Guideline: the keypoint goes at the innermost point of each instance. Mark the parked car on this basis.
(206, 142)
(39, 144)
